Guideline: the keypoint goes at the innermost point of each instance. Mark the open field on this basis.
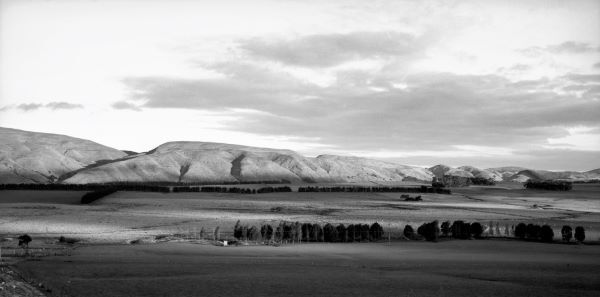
(131, 215)
(448, 268)
(102, 265)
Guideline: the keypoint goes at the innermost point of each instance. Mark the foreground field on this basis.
(126, 216)
(451, 268)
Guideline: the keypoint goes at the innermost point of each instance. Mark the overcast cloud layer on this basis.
(421, 82)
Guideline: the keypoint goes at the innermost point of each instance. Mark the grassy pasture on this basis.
(450, 268)
(129, 215)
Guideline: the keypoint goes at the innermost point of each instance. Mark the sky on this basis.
(481, 83)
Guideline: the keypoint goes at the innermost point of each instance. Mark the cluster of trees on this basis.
(534, 232)
(90, 197)
(482, 181)
(233, 190)
(137, 187)
(463, 230)
(407, 197)
(552, 185)
(360, 189)
(307, 232)
(567, 233)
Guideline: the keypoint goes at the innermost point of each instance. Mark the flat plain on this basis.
(104, 263)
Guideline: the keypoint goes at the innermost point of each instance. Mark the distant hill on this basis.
(29, 157)
(216, 162)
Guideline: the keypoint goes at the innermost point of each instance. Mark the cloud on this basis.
(365, 111)
(597, 65)
(125, 105)
(36, 106)
(568, 47)
(62, 105)
(29, 106)
(326, 50)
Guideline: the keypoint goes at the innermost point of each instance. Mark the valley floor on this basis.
(101, 264)
(447, 268)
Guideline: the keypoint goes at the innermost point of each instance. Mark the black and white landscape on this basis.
(299, 148)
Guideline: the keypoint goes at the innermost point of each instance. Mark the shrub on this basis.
(567, 233)
(376, 232)
(546, 233)
(330, 233)
(476, 230)
(409, 232)
(521, 230)
(445, 228)
(430, 231)
(579, 234)
(342, 233)
(24, 240)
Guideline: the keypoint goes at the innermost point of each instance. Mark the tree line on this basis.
(233, 190)
(552, 185)
(287, 232)
(459, 229)
(361, 189)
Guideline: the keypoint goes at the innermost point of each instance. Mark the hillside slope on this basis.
(215, 162)
(27, 157)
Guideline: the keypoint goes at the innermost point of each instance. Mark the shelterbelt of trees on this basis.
(290, 232)
(552, 185)
(421, 189)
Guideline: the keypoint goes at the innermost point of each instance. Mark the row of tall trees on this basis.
(232, 190)
(464, 230)
(552, 185)
(287, 232)
(361, 189)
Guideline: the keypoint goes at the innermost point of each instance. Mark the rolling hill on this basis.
(27, 157)
(30, 157)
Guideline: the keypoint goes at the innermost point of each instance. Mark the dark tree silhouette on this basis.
(351, 233)
(430, 231)
(445, 228)
(330, 233)
(24, 240)
(409, 232)
(546, 233)
(476, 230)
(376, 232)
(567, 233)
(266, 231)
(579, 234)
(364, 232)
(342, 233)
(461, 230)
(521, 230)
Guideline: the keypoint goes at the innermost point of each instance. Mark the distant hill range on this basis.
(29, 157)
